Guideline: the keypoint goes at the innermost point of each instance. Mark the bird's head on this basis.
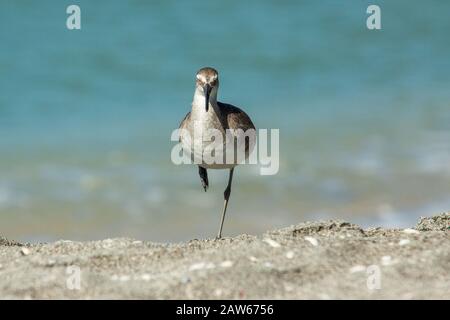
(208, 84)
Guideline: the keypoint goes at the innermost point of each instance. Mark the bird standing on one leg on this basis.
(207, 113)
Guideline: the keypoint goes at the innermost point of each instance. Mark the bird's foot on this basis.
(205, 184)
(226, 194)
(203, 178)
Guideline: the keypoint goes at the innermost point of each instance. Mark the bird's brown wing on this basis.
(238, 119)
(184, 122)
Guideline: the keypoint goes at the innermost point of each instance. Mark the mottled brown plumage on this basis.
(206, 114)
(232, 118)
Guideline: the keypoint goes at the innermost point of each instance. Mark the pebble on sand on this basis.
(357, 268)
(201, 265)
(146, 277)
(386, 260)
(272, 243)
(226, 264)
(197, 266)
(411, 231)
(25, 251)
(404, 242)
(290, 254)
(312, 240)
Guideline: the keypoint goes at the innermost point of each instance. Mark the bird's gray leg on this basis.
(226, 196)
(203, 177)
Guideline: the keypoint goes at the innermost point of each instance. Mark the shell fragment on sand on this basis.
(290, 254)
(272, 243)
(404, 242)
(411, 231)
(146, 277)
(312, 240)
(226, 264)
(357, 268)
(201, 265)
(386, 260)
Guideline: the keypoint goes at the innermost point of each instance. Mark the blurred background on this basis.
(86, 116)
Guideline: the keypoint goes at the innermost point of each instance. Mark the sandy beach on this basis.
(311, 260)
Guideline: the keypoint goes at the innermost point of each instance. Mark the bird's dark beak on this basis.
(207, 89)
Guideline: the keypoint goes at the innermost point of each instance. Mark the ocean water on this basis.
(86, 116)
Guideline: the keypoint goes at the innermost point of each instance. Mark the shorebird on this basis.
(207, 113)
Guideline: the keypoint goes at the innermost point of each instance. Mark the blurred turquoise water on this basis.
(86, 116)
